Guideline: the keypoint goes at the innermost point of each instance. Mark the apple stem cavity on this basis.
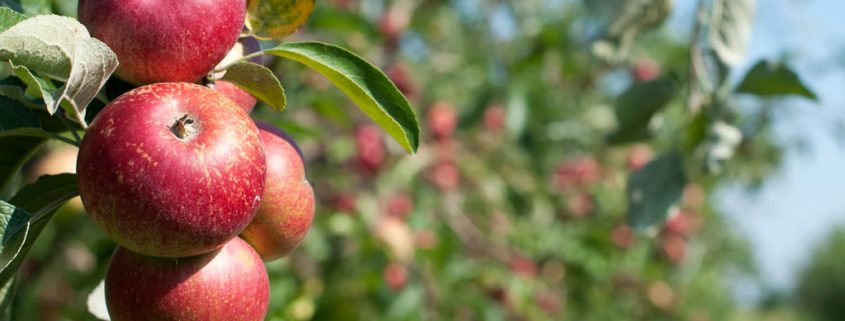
(184, 128)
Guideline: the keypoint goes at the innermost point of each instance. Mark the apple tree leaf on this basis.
(14, 5)
(274, 19)
(7, 294)
(37, 7)
(14, 88)
(22, 223)
(23, 218)
(59, 48)
(367, 86)
(637, 106)
(654, 189)
(730, 29)
(259, 82)
(768, 79)
(625, 20)
(15, 150)
(9, 18)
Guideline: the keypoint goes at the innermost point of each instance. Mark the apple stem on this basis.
(182, 127)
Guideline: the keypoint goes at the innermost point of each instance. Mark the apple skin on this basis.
(229, 284)
(235, 93)
(160, 41)
(287, 206)
(160, 195)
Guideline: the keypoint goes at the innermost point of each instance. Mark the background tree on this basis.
(567, 156)
(821, 287)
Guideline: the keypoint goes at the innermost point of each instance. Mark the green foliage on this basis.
(524, 212)
(59, 48)
(365, 85)
(654, 189)
(821, 287)
(730, 29)
(8, 18)
(259, 82)
(22, 222)
(277, 18)
(625, 21)
(636, 107)
(768, 79)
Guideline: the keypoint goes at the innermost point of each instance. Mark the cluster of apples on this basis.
(196, 194)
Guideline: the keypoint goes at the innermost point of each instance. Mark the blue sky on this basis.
(798, 206)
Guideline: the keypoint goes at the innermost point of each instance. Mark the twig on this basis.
(63, 119)
(694, 98)
(244, 58)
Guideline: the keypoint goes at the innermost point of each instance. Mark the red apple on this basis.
(522, 266)
(638, 157)
(393, 22)
(287, 205)
(494, 118)
(402, 76)
(581, 171)
(343, 202)
(158, 40)
(370, 148)
(645, 70)
(442, 120)
(399, 206)
(229, 284)
(444, 175)
(396, 276)
(623, 236)
(171, 170)
(674, 247)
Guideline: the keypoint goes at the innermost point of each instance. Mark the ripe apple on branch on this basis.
(174, 171)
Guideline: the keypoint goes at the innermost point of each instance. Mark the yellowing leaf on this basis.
(275, 19)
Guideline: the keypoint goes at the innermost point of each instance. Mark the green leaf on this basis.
(15, 5)
(37, 7)
(37, 86)
(14, 88)
(259, 82)
(14, 151)
(277, 18)
(516, 117)
(48, 193)
(696, 131)
(19, 229)
(60, 48)
(626, 19)
(17, 120)
(636, 107)
(365, 85)
(654, 189)
(768, 79)
(9, 18)
(13, 115)
(7, 294)
(24, 217)
(730, 29)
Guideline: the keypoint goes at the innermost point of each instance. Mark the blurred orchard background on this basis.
(581, 160)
